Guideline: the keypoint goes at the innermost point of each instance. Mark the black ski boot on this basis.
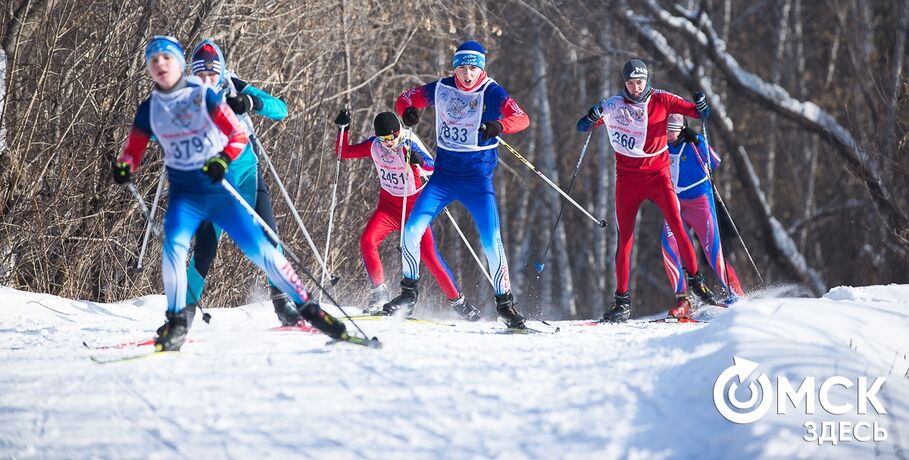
(378, 296)
(505, 308)
(284, 308)
(697, 286)
(464, 309)
(620, 311)
(174, 333)
(406, 300)
(312, 312)
(190, 314)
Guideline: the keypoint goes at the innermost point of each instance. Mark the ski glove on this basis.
(595, 113)
(491, 129)
(242, 103)
(700, 102)
(122, 171)
(216, 166)
(410, 116)
(343, 118)
(688, 136)
(414, 157)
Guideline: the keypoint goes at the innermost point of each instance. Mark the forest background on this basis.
(809, 115)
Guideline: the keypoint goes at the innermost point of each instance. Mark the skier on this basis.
(208, 64)
(472, 110)
(636, 123)
(690, 164)
(398, 163)
(200, 137)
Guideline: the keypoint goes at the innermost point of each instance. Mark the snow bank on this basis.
(639, 390)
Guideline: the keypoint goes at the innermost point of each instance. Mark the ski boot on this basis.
(378, 296)
(406, 300)
(682, 307)
(284, 308)
(174, 331)
(312, 312)
(620, 311)
(696, 285)
(505, 308)
(464, 309)
(190, 314)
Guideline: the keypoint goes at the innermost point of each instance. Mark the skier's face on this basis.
(165, 70)
(672, 136)
(636, 86)
(391, 141)
(467, 74)
(209, 78)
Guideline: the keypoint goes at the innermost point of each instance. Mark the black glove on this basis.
(122, 171)
(410, 116)
(242, 103)
(595, 113)
(700, 102)
(688, 136)
(216, 166)
(491, 129)
(413, 157)
(343, 118)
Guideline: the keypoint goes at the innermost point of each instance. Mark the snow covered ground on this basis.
(639, 390)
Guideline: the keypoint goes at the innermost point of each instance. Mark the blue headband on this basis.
(164, 44)
(469, 53)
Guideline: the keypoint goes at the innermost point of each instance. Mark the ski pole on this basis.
(723, 204)
(405, 154)
(148, 227)
(541, 265)
(334, 201)
(274, 236)
(160, 234)
(600, 222)
(293, 210)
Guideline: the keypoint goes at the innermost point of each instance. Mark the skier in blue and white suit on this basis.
(472, 110)
(200, 137)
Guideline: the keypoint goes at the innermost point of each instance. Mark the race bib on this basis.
(186, 132)
(627, 125)
(458, 118)
(393, 172)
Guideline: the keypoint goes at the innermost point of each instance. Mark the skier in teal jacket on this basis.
(208, 63)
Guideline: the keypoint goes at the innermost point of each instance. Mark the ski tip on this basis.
(539, 267)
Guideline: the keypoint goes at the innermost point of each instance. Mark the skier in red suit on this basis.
(401, 165)
(636, 121)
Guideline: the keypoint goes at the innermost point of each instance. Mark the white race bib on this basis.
(186, 132)
(627, 125)
(458, 118)
(394, 172)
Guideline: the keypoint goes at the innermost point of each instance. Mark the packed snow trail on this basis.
(239, 390)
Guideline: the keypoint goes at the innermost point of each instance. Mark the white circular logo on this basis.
(734, 377)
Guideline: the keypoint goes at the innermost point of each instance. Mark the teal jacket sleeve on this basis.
(272, 107)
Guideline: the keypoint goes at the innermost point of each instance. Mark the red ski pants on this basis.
(386, 219)
(630, 191)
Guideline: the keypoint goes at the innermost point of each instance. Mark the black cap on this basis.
(386, 123)
(635, 68)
